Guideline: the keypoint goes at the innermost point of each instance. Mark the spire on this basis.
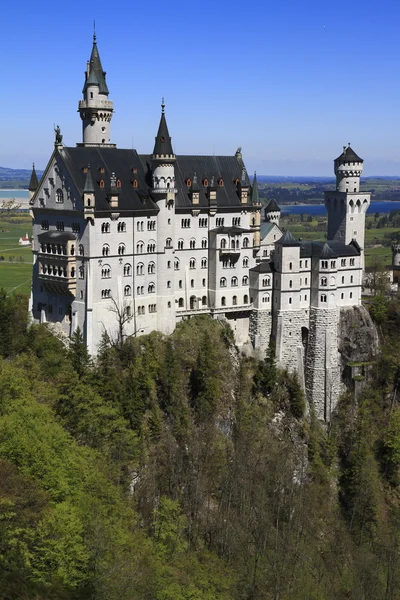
(255, 199)
(89, 185)
(33, 183)
(163, 144)
(95, 74)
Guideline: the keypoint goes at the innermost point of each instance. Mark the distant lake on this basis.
(319, 209)
(17, 194)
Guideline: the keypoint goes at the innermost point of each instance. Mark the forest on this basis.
(176, 468)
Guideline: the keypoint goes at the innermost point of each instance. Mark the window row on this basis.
(235, 221)
(106, 249)
(234, 244)
(151, 269)
(192, 244)
(234, 281)
(192, 285)
(106, 227)
(58, 271)
(151, 247)
(235, 300)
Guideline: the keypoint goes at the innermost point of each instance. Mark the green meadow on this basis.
(15, 260)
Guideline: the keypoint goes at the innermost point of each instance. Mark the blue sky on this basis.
(290, 81)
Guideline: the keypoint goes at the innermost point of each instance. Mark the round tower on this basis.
(348, 169)
(272, 212)
(95, 109)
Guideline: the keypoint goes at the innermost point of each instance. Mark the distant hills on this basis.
(16, 178)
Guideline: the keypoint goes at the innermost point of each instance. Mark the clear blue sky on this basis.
(290, 81)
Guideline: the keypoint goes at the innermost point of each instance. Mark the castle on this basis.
(129, 243)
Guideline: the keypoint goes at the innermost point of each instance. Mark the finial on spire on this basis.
(349, 144)
(162, 105)
(33, 165)
(94, 31)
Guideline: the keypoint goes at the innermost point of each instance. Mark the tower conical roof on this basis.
(288, 240)
(33, 183)
(255, 198)
(96, 75)
(89, 185)
(163, 141)
(349, 155)
(272, 207)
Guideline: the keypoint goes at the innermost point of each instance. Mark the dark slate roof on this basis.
(348, 155)
(113, 160)
(162, 145)
(56, 236)
(263, 267)
(124, 162)
(272, 207)
(288, 240)
(255, 198)
(327, 252)
(266, 227)
(331, 249)
(96, 74)
(227, 168)
(33, 183)
(231, 230)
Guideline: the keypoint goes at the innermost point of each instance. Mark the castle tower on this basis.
(272, 212)
(347, 206)
(163, 193)
(396, 263)
(255, 221)
(95, 109)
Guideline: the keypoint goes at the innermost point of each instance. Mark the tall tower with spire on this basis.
(95, 109)
(347, 205)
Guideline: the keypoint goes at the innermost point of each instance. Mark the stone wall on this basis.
(323, 373)
(260, 330)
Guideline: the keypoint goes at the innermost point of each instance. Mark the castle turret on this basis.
(163, 192)
(347, 205)
(272, 212)
(33, 183)
(256, 219)
(95, 109)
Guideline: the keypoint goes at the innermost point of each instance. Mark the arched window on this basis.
(121, 249)
(192, 244)
(245, 242)
(81, 250)
(118, 183)
(221, 182)
(176, 264)
(106, 250)
(72, 271)
(180, 302)
(127, 290)
(72, 250)
(234, 300)
(151, 269)
(204, 263)
(151, 247)
(234, 282)
(192, 263)
(152, 288)
(106, 272)
(140, 269)
(180, 244)
(245, 262)
(139, 247)
(101, 184)
(204, 301)
(223, 244)
(128, 311)
(127, 270)
(323, 297)
(245, 280)
(233, 244)
(222, 282)
(245, 299)
(204, 243)
(121, 228)
(324, 281)
(105, 227)
(266, 282)
(192, 302)
(266, 299)
(59, 196)
(168, 243)
(223, 301)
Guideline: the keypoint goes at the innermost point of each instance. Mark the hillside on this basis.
(175, 468)
(16, 178)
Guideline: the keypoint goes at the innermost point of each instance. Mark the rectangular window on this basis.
(60, 226)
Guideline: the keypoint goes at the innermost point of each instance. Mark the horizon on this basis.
(276, 85)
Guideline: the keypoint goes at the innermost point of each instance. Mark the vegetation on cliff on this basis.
(174, 467)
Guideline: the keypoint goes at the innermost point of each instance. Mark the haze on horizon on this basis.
(289, 83)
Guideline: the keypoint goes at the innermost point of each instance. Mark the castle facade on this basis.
(129, 243)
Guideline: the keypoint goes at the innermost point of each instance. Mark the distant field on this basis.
(16, 268)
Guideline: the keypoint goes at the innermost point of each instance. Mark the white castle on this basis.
(129, 243)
